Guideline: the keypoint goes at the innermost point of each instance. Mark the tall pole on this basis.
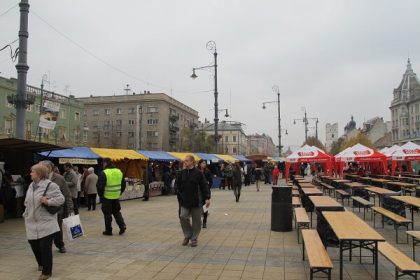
(305, 119)
(22, 69)
(211, 45)
(40, 108)
(316, 128)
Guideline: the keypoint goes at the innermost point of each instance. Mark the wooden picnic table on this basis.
(411, 201)
(380, 192)
(295, 201)
(341, 181)
(311, 191)
(307, 185)
(323, 203)
(349, 229)
(402, 185)
(355, 185)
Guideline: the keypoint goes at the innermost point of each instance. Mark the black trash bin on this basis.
(281, 209)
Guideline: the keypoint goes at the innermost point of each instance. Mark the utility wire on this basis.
(8, 10)
(13, 54)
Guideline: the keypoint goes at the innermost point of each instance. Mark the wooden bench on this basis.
(327, 188)
(362, 203)
(343, 195)
(416, 240)
(399, 221)
(319, 260)
(296, 202)
(403, 264)
(295, 193)
(301, 220)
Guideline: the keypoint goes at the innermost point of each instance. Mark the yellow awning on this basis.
(182, 156)
(227, 158)
(118, 154)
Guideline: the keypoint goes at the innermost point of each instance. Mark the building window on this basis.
(77, 116)
(152, 134)
(131, 122)
(131, 111)
(95, 112)
(85, 113)
(130, 134)
(234, 138)
(152, 109)
(63, 113)
(85, 124)
(8, 105)
(107, 111)
(62, 133)
(226, 138)
(119, 111)
(106, 134)
(119, 134)
(234, 150)
(95, 124)
(152, 121)
(85, 136)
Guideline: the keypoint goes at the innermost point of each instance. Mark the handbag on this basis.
(51, 209)
(73, 227)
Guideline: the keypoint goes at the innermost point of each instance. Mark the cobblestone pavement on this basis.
(237, 244)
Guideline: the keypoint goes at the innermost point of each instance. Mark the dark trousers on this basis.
(42, 249)
(58, 236)
(146, 191)
(112, 207)
(229, 182)
(75, 206)
(91, 201)
(205, 214)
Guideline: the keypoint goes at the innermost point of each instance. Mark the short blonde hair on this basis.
(41, 170)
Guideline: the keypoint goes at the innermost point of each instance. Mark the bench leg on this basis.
(329, 274)
(311, 277)
(303, 249)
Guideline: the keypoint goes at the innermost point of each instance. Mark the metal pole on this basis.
(40, 109)
(279, 119)
(316, 129)
(216, 108)
(306, 127)
(22, 69)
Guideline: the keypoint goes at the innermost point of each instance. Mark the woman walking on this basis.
(257, 176)
(202, 166)
(276, 174)
(237, 180)
(39, 223)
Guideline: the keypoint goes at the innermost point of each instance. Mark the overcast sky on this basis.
(335, 58)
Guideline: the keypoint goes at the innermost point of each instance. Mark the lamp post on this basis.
(277, 90)
(306, 122)
(211, 46)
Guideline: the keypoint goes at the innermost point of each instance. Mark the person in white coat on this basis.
(39, 223)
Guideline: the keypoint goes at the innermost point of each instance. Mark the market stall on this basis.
(181, 156)
(406, 153)
(311, 155)
(76, 155)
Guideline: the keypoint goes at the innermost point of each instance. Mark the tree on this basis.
(360, 138)
(313, 141)
(336, 146)
(195, 140)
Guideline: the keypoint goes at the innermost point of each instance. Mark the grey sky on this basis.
(336, 58)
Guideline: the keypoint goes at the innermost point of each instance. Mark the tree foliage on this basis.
(336, 146)
(193, 140)
(313, 141)
(359, 138)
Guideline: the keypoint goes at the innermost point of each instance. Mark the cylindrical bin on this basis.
(281, 209)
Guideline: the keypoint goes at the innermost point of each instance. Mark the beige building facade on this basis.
(232, 138)
(261, 144)
(147, 121)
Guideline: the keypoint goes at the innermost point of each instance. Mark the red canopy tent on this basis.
(308, 154)
(361, 154)
(408, 152)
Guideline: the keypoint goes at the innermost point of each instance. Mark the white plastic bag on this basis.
(73, 227)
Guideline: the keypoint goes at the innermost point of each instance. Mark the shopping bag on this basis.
(73, 227)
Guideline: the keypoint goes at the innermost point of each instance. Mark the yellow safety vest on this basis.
(113, 183)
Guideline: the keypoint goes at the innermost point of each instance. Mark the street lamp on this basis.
(211, 46)
(276, 90)
(305, 120)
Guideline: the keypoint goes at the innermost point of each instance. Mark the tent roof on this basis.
(308, 154)
(181, 156)
(277, 159)
(118, 154)
(209, 157)
(8, 144)
(227, 158)
(157, 155)
(76, 152)
(389, 151)
(360, 152)
(242, 158)
(408, 151)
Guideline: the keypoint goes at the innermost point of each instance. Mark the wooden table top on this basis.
(410, 200)
(347, 226)
(307, 185)
(295, 201)
(378, 190)
(312, 191)
(324, 202)
(402, 184)
(356, 185)
(341, 181)
(379, 180)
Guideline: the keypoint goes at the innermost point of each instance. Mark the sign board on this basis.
(49, 114)
(78, 161)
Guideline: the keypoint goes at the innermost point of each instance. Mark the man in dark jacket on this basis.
(111, 184)
(237, 180)
(68, 204)
(192, 191)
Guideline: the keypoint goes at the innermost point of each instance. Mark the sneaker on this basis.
(204, 226)
(122, 230)
(40, 267)
(44, 277)
(185, 242)
(106, 233)
(194, 243)
(62, 250)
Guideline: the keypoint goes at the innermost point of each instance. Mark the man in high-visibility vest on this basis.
(111, 184)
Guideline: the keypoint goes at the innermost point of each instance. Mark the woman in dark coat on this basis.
(202, 166)
(237, 180)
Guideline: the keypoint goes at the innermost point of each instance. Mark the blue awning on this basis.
(242, 158)
(157, 155)
(76, 152)
(209, 157)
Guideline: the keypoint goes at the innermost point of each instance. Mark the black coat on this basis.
(237, 177)
(191, 188)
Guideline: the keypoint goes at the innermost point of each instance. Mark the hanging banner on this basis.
(78, 161)
(49, 114)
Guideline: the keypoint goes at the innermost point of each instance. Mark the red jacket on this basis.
(276, 172)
